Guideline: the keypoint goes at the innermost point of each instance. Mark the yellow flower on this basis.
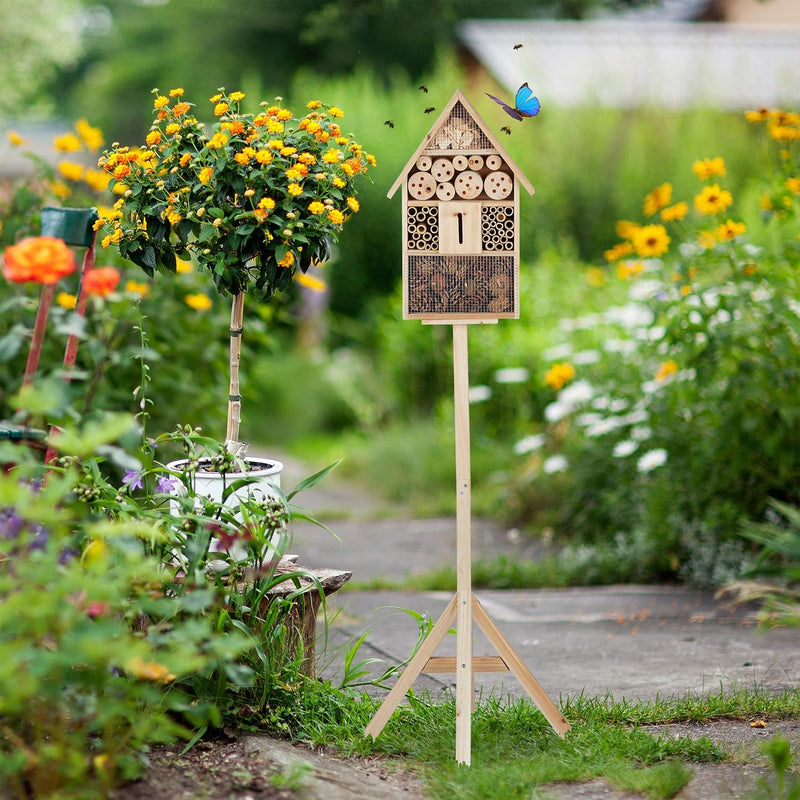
(783, 132)
(313, 104)
(174, 217)
(656, 200)
(336, 216)
(316, 207)
(729, 230)
(185, 159)
(595, 277)
(220, 109)
(172, 128)
(339, 183)
(315, 284)
(287, 260)
(215, 98)
(332, 156)
(619, 250)
(335, 111)
(625, 228)
(68, 143)
(263, 156)
(15, 138)
(176, 92)
(559, 374)
(141, 289)
(793, 185)
(219, 139)
(154, 137)
(60, 190)
(676, 212)
(709, 167)
(96, 179)
(66, 300)
(70, 170)
(666, 369)
(149, 670)
(183, 266)
(707, 239)
(199, 302)
(713, 200)
(627, 270)
(237, 96)
(353, 204)
(757, 116)
(95, 551)
(160, 101)
(92, 137)
(294, 189)
(651, 241)
(283, 115)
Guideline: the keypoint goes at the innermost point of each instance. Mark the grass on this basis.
(515, 753)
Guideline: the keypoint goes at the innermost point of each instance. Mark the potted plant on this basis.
(253, 199)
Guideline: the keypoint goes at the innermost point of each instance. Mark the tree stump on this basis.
(312, 585)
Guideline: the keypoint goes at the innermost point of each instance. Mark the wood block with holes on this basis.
(460, 217)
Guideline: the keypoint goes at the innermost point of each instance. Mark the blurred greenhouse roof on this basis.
(627, 63)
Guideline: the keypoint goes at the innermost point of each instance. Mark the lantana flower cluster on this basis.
(252, 199)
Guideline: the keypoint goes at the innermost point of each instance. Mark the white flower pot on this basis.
(264, 478)
(264, 474)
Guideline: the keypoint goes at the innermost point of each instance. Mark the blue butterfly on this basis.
(525, 104)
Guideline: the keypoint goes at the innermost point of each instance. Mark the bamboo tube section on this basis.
(234, 397)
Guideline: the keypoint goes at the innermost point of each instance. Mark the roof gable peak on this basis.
(460, 128)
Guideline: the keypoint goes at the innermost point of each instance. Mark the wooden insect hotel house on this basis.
(461, 267)
(460, 194)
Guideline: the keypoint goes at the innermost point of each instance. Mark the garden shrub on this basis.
(684, 422)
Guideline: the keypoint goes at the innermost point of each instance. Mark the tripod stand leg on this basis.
(517, 666)
(414, 668)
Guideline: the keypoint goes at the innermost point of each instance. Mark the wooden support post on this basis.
(465, 691)
(464, 606)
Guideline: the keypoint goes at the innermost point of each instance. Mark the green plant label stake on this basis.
(460, 267)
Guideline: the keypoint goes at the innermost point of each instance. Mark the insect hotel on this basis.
(460, 194)
(461, 266)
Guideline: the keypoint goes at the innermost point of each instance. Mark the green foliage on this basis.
(785, 785)
(82, 688)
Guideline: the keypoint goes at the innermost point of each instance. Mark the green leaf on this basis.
(84, 443)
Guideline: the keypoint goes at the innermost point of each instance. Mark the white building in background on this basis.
(657, 55)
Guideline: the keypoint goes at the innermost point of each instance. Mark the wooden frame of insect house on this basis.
(460, 267)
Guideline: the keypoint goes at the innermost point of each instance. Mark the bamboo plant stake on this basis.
(234, 397)
(71, 350)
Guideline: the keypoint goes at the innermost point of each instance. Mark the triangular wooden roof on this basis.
(436, 131)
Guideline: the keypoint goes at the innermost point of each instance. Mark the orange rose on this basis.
(41, 259)
(101, 281)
